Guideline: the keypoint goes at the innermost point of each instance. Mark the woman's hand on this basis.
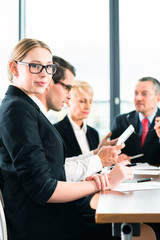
(100, 179)
(119, 174)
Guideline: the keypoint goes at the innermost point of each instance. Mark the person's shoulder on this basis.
(158, 110)
(61, 122)
(16, 105)
(91, 129)
(125, 115)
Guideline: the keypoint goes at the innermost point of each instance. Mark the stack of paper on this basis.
(126, 187)
(145, 169)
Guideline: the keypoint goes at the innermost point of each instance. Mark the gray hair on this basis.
(156, 83)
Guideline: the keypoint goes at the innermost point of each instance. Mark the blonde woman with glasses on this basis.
(39, 203)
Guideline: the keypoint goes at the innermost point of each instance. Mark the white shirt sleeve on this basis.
(82, 166)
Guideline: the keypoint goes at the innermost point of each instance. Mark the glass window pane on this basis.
(9, 38)
(77, 31)
(139, 45)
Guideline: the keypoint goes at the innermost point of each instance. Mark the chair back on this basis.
(3, 226)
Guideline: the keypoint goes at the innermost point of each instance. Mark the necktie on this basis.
(145, 128)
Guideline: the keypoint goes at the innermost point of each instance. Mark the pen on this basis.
(136, 156)
(128, 165)
(144, 180)
(131, 164)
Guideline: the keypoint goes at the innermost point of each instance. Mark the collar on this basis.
(13, 90)
(40, 105)
(76, 127)
(150, 118)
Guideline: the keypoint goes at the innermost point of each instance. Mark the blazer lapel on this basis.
(89, 138)
(71, 136)
(134, 120)
(151, 134)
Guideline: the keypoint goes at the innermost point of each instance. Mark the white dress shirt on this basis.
(150, 119)
(40, 105)
(80, 167)
(80, 133)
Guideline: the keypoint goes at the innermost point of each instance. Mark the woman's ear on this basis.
(13, 68)
(50, 84)
(68, 103)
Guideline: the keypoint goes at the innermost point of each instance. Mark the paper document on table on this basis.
(127, 187)
(146, 172)
(145, 169)
(140, 169)
(145, 166)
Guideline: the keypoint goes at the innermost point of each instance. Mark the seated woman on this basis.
(79, 138)
(39, 203)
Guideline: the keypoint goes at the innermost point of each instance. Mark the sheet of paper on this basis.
(146, 172)
(141, 169)
(127, 187)
(145, 169)
(145, 166)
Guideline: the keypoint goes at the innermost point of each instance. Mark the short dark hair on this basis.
(155, 82)
(62, 66)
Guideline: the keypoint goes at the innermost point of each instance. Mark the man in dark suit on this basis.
(79, 167)
(147, 96)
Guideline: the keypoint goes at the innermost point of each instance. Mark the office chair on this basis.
(3, 226)
(147, 233)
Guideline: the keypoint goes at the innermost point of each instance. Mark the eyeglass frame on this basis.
(43, 66)
(67, 87)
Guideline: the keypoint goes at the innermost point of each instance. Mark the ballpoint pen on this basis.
(128, 165)
(131, 164)
(144, 180)
(137, 156)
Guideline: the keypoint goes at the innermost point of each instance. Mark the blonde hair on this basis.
(80, 87)
(21, 49)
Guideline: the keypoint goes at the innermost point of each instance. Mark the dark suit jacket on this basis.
(151, 147)
(32, 160)
(65, 129)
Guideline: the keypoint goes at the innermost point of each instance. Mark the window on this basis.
(139, 45)
(77, 31)
(9, 38)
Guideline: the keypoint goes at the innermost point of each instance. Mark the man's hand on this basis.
(109, 154)
(123, 157)
(157, 126)
(106, 142)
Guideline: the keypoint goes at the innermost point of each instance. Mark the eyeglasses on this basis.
(67, 87)
(129, 123)
(35, 68)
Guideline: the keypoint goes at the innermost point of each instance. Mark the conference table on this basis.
(141, 206)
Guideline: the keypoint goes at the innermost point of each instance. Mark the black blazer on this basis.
(65, 129)
(32, 160)
(151, 147)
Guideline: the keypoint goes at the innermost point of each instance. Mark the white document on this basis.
(127, 187)
(145, 166)
(145, 169)
(146, 172)
(140, 169)
(125, 135)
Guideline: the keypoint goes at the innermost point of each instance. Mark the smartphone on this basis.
(126, 134)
